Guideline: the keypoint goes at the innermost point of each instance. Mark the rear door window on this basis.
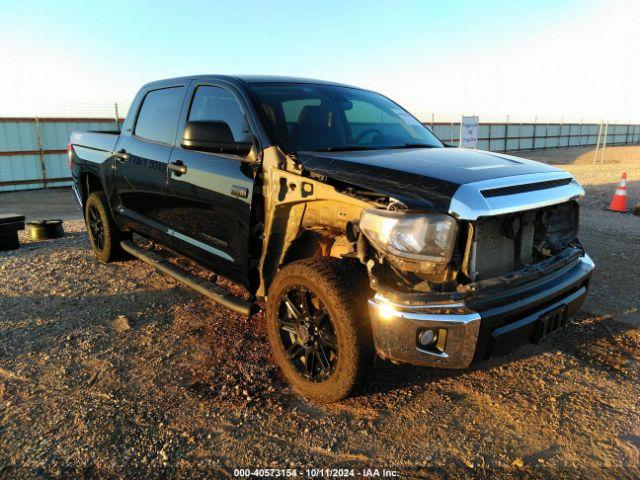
(159, 114)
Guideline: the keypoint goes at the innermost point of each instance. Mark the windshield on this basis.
(307, 116)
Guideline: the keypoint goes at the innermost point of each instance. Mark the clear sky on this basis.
(550, 58)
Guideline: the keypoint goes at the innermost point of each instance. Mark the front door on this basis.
(140, 165)
(211, 201)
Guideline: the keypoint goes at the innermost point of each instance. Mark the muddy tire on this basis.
(318, 327)
(104, 235)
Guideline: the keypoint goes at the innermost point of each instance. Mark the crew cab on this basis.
(355, 227)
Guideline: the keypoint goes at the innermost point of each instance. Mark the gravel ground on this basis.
(115, 371)
(57, 203)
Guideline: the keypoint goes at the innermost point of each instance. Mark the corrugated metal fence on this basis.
(502, 137)
(32, 150)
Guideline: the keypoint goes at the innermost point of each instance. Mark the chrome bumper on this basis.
(396, 326)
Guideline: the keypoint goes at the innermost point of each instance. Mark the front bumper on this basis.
(474, 328)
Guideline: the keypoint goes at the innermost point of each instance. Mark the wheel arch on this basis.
(90, 183)
(308, 244)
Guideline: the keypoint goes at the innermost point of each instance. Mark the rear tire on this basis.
(324, 349)
(104, 235)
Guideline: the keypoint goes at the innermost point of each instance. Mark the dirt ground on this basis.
(182, 388)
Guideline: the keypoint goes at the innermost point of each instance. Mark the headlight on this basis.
(418, 236)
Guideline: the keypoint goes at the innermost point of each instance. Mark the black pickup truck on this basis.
(359, 229)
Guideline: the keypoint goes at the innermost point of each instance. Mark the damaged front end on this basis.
(457, 274)
(483, 286)
(459, 254)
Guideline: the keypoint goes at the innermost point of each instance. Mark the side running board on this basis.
(208, 289)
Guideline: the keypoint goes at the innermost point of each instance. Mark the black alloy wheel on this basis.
(96, 227)
(104, 235)
(307, 333)
(318, 326)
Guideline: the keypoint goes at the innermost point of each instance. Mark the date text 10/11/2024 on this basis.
(315, 473)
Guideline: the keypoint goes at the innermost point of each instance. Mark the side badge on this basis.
(238, 191)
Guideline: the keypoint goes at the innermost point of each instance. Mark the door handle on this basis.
(121, 155)
(178, 168)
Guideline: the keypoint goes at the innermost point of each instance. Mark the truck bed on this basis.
(96, 140)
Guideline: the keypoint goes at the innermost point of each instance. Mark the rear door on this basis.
(211, 202)
(140, 166)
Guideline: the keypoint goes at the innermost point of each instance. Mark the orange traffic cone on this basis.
(619, 200)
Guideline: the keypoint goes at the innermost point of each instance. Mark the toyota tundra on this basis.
(356, 229)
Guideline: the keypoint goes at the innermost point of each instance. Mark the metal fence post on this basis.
(43, 163)
(506, 134)
(533, 140)
(560, 131)
(604, 144)
(595, 156)
(626, 138)
(489, 139)
(580, 135)
(117, 116)
(546, 136)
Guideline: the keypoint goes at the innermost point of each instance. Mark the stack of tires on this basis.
(10, 223)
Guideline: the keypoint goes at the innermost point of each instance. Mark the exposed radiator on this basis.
(509, 242)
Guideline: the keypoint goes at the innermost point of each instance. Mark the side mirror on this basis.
(212, 137)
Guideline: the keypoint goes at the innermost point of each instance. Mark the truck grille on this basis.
(507, 243)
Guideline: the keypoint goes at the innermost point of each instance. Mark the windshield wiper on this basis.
(349, 148)
(414, 145)
(353, 148)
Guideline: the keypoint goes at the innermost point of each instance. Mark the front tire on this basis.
(104, 235)
(319, 328)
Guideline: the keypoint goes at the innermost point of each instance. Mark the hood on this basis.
(422, 178)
